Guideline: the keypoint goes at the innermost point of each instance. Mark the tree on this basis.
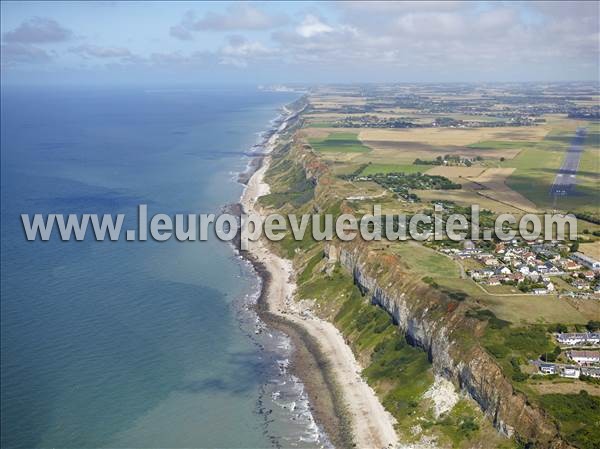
(574, 247)
(548, 357)
(559, 328)
(557, 350)
(593, 325)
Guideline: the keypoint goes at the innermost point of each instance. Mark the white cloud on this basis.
(239, 52)
(311, 26)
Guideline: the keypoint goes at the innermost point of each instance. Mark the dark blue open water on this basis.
(127, 344)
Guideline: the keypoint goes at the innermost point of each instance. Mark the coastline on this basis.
(341, 401)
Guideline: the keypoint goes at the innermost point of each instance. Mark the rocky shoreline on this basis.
(308, 362)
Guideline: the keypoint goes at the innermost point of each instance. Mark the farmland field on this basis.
(339, 142)
(393, 168)
(494, 181)
(452, 136)
(455, 172)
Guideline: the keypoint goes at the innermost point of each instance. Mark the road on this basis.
(566, 176)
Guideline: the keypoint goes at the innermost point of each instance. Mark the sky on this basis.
(297, 42)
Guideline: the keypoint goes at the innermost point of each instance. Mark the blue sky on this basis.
(219, 42)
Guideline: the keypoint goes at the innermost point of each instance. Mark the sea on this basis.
(136, 344)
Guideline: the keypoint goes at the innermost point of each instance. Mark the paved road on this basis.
(566, 176)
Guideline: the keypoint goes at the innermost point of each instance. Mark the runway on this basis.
(566, 176)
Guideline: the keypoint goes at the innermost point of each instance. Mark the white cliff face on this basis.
(443, 395)
(473, 370)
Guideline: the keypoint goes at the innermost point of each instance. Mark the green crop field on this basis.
(342, 142)
(426, 261)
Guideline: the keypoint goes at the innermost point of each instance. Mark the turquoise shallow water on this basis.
(132, 344)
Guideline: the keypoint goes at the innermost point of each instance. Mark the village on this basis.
(374, 121)
(576, 351)
(538, 268)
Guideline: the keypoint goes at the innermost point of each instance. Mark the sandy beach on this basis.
(373, 426)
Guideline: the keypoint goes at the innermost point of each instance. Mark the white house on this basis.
(571, 339)
(572, 372)
(547, 368)
(504, 270)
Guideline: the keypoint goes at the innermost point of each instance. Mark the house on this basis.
(586, 261)
(481, 274)
(582, 357)
(589, 275)
(494, 280)
(570, 265)
(572, 372)
(553, 271)
(504, 270)
(578, 338)
(580, 284)
(492, 262)
(547, 368)
(475, 275)
(550, 286)
(518, 277)
(590, 371)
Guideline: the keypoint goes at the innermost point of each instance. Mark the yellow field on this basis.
(452, 136)
(591, 249)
